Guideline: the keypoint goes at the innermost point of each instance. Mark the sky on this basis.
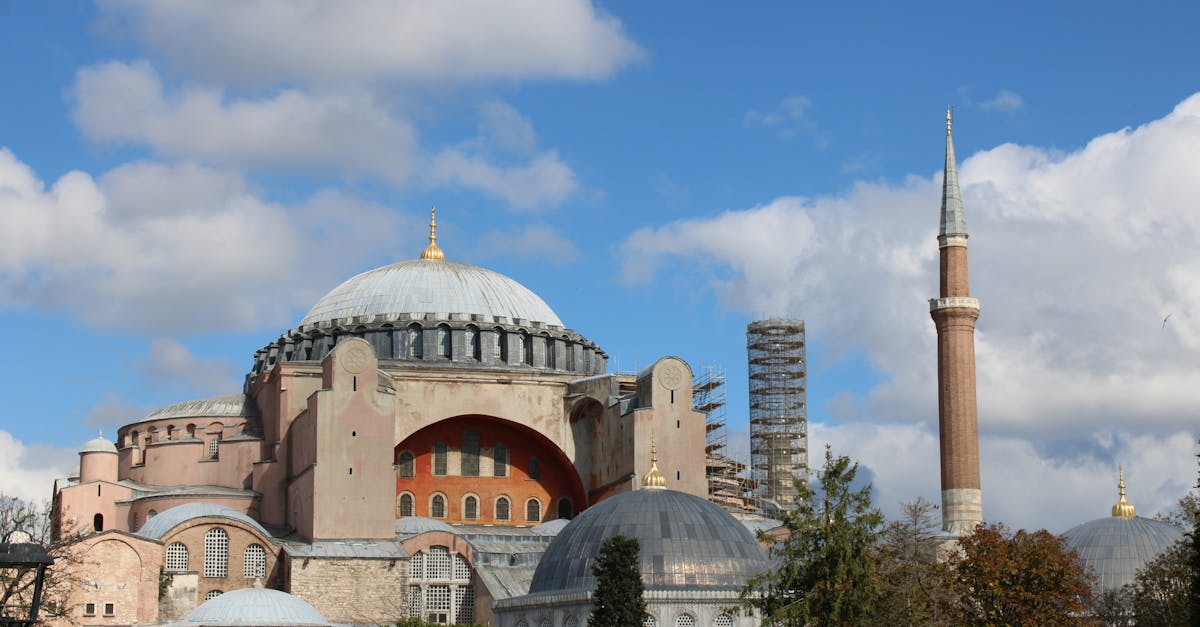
(180, 182)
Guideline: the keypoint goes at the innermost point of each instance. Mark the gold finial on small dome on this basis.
(654, 478)
(1123, 508)
(432, 251)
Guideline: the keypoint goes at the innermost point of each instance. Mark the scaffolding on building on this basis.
(778, 411)
(727, 484)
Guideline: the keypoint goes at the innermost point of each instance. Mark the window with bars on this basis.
(437, 564)
(443, 341)
(464, 605)
(110, 609)
(462, 570)
(212, 594)
(437, 506)
(724, 620)
(216, 553)
(214, 447)
(405, 507)
(500, 460)
(177, 558)
(416, 566)
(502, 507)
(415, 606)
(415, 349)
(471, 508)
(439, 458)
(685, 620)
(470, 454)
(571, 622)
(254, 561)
(437, 599)
(550, 360)
(406, 464)
(527, 349)
(471, 340)
(533, 510)
(649, 621)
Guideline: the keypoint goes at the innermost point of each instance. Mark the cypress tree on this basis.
(618, 600)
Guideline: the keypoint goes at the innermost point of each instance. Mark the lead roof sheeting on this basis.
(1116, 548)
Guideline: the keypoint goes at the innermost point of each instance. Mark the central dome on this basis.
(432, 286)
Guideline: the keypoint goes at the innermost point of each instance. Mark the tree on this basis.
(1160, 590)
(828, 563)
(916, 584)
(618, 600)
(1194, 541)
(16, 587)
(1022, 578)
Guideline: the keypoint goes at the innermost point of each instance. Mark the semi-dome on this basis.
(686, 542)
(257, 606)
(157, 527)
(431, 286)
(1116, 547)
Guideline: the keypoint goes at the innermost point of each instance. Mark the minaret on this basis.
(954, 313)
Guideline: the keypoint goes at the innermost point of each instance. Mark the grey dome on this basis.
(157, 527)
(413, 525)
(218, 406)
(1114, 548)
(257, 606)
(686, 542)
(99, 445)
(431, 287)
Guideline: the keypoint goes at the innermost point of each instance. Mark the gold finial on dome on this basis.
(1123, 508)
(654, 478)
(432, 251)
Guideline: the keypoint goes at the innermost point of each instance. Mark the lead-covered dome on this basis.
(431, 286)
(686, 542)
(257, 606)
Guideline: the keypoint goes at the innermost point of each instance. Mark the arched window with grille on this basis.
(415, 342)
(404, 505)
(439, 458)
(470, 508)
(685, 620)
(502, 507)
(212, 594)
(177, 558)
(500, 353)
(500, 460)
(216, 553)
(254, 561)
(550, 359)
(406, 464)
(533, 510)
(649, 621)
(526, 348)
(471, 343)
(723, 620)
(437, 506)
(571, 621)
(443, 341)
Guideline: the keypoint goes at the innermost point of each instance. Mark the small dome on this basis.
(686, 542)
(219, 406)
(158, 526)
(431, 286)
(1115, 548)
(99, 445)
(257, 606)
(413, 525)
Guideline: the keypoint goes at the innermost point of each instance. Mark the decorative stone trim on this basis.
(945, 241)
(954, 302)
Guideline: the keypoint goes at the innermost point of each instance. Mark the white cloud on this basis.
(545, 181)
(1004, 100)
(27, 472)
(506, 128)
(790, 117)
(1076, 257)
(351, 134)
(170, 363)
(535, 242)
(122, 252)
(268, 42)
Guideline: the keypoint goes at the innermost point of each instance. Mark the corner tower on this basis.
(954, 314)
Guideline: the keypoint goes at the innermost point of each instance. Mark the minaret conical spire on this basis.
(432, 252)
(953, 222)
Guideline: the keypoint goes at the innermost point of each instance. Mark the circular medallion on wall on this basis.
(671, 375)
(355, 359)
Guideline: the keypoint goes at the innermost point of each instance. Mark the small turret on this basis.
(98, 460)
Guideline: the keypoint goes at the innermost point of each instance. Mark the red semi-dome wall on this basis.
(557, 478)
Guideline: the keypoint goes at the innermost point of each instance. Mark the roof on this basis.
(157, 527)
(225, 405)
(413, 525)
(686, 542)
(357, 549)
(1115, 548)
(953, 222)
(256, 606)
(428, 286)
(99, 445)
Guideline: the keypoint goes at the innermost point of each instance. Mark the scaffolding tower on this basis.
(778, 411)
(726, 476)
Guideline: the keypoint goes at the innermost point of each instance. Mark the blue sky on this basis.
(178, 183)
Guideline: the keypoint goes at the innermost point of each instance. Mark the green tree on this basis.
(1022, 578)
(916, 584)
(828, 562)
(1194, 540)
(618, 600)
(1160, 590)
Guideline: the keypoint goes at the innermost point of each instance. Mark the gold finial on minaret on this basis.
(654, 478)
(949, 120)
(432, 251)
(1123, 508)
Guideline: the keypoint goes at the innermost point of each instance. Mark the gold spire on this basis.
(654, 478)
(432, 251)
(1123, 508)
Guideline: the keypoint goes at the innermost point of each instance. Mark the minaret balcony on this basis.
(954, 302)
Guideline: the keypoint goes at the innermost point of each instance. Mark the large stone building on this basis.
(404, 450)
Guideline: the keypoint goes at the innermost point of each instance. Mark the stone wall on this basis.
(351, 590)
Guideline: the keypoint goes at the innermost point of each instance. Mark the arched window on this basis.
(98, 522)
(550, 359)
(571, 621)
(212, 594)
(216, 553)
(443, 341)
(502, 508)
(545, 623)
(685, 620)
(405, 506)
(535, 468)
(177, 558)
(415, 348)
(565, 508)
(406, 464)
(439, 458)
(470, 454)
(649, 621)
(254, 561)
(471, 508)
(500, 460)
(526, 348)
(437, 506)
(462, 570)
(471, 343)
(533, 510)
(500, 351)
(151, 514)
(723, 620)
